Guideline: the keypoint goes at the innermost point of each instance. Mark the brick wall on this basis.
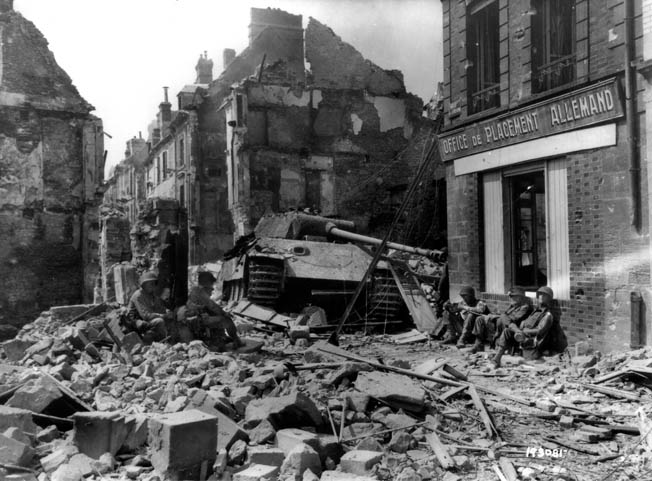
(609, 259)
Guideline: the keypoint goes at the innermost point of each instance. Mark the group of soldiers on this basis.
(200, 318)
(532, 329)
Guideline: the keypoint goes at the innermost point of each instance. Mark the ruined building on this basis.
(547, 183)
(51, 167)
(342, 138)
(332, 140)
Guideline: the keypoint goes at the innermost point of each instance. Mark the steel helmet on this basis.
(545, 290)
(148, 277)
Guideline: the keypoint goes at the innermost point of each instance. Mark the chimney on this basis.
(228, 55)
(262, 18)
(204, 69)
(164, 112)
(6, 6)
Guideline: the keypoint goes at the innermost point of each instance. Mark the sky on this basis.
(121, 53)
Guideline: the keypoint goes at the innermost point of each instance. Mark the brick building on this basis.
(51, 168)
(546, 182)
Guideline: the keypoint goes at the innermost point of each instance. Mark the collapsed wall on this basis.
(51, 167)
(339, 144)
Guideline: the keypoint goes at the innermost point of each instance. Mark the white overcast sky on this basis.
(120, 53)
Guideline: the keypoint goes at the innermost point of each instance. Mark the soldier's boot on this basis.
(498, 357)
(478, 346)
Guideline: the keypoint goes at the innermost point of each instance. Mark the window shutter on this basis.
(557, 227)
(494, 246)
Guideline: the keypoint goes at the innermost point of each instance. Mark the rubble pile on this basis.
(83, 400)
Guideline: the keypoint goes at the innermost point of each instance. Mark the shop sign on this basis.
(596, 104)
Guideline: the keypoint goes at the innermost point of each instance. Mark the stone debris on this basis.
(183, 411)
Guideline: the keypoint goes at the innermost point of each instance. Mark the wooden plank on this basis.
(484, 414)
(499, 473)
(336, 351)
(572, 446)
(452, 392)
(408, 337)
(610, 376)
(415, 300)
(613, 392)
(444, 458)
(454, 372)
(508, 469)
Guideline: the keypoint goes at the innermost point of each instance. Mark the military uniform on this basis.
(202, 316)
(540, 332)
(146, 313)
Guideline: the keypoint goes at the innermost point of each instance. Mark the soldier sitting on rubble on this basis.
(202, 318)
(460, 317)
(489, 327)
(538, 333)
(146, 312)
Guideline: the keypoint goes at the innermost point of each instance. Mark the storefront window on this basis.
(528, 229)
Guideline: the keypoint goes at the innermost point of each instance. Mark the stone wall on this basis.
(51, 167)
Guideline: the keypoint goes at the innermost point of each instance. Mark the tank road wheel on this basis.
(234, 290)
(265, 281)
(385, 300)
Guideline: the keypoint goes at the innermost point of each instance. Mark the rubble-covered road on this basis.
(74, 406)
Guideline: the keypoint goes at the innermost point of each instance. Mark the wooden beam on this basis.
(444, 458)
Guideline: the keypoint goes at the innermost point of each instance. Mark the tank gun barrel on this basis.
(333, 230)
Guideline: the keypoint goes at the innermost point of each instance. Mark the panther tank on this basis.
(294, 260)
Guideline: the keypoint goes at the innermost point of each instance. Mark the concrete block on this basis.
(301, 458)
(329, 447)
(48, 434)
(266, 455)
(299, 332)
(357, 401)
(228, 432)
(96, 433)
(18, 435)
(545, 405)
(58, 457)
(394, 389)
(288, 439)
(341, 476)
(15, 417)
(63, 371)
(180, 443)
(360, 462)
(138, 430)
(15, 349)
(566, 421)
(67, 473)
(263, 433)
(293, 410)
(85, 464)
(256, 472)
(15, 452)
(36, 395)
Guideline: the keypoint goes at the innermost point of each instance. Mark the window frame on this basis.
(543, 58)
(478, 83)
(512, 224)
